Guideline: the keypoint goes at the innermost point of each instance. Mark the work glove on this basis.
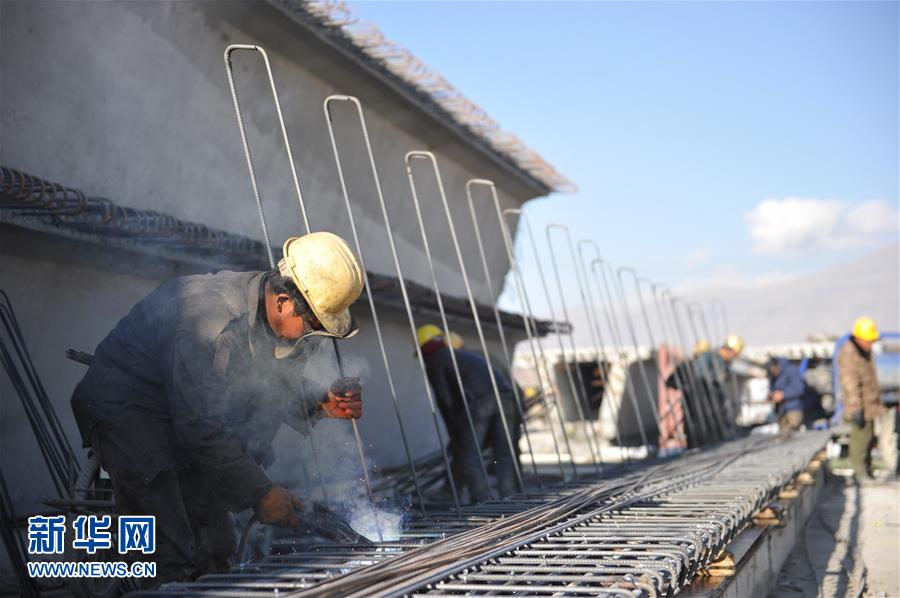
(279, 507)
(858, 418)
(344, 399)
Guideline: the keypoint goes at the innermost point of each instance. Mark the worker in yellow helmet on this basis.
(478, 393)
(185, 395)
(861, 393)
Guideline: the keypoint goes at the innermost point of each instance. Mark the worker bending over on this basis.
(185, 395)
(788, 391)
(478, 392)
(862, 393)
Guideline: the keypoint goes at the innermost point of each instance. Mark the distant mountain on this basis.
(792, 310)
(824, 303)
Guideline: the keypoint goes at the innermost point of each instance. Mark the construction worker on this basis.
(788, 391)
(862, 393)
(478, 393)
(186, 393)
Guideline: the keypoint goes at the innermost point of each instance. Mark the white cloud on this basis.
(802, 225)
(697, 257)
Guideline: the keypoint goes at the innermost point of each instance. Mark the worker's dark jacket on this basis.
(189, 377)
(475, 379)
(791, 383)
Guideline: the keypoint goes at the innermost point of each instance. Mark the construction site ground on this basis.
(851, 543)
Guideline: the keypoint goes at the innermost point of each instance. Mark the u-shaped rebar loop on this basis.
(714, 376)
(670, 407)
(704, 378)
(626, 310)
(262, 217)
(569, 377)
(487, 278)
(597, 337)
(581, 397)
(682, 377)
(474, 307)
(535, 343)
(692, 310)
(326, 105)
(617, 340)
(408, 158)
(694, 382)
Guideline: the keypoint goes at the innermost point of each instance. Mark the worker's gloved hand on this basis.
(344, 399)
(279, 507)
(778, 396)
(858, 418)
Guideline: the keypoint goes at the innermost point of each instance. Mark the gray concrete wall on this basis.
(130, 101)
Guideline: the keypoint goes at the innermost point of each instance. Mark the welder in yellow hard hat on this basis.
(186, 393)
(477, 392)
(861, 393)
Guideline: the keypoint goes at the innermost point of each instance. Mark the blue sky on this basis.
(679, 120)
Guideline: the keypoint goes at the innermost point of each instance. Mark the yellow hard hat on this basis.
(864, 329)
(701, 346)
(328, 275)
(428, 332)
(455, 340)
(735, 343)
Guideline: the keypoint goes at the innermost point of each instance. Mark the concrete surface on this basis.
(853, 528)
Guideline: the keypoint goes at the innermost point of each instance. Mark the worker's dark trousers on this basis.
(491, 434)
(194, 533)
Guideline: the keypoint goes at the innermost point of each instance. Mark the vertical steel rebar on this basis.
(487, 278)
(617, 340)
(584, 287)
(717, 374)
(287, 147)
(693, 375)
(735, 389)
(562, 349)
(626, 309)
(534, 340)
(692, 418)
(669, 405)
(429, 156)
(578, 397)
(262, 217)
(387, 368)
(443, 314)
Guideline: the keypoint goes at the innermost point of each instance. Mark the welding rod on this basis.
(446, 326)
(534, 343)
(387, 368)
(487, 279)
(262, 218)
(474, 307)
